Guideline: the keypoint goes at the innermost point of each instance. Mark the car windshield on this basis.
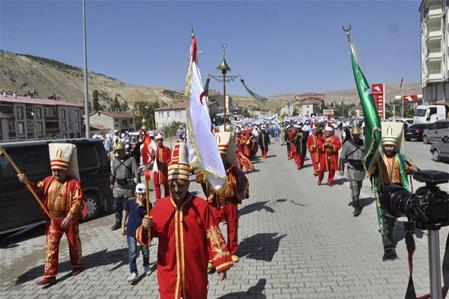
(420, 112)
(418, 126)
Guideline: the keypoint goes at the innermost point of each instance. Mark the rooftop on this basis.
(174, 106)
(115, 114)
(35, 101)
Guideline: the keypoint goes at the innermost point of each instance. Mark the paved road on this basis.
(297, 240)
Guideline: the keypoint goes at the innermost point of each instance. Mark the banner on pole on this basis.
(378, 91)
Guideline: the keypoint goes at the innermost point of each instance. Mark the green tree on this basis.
(145, 110)
(170, 130)
(115, 105)
(95, 101)
(124, 106)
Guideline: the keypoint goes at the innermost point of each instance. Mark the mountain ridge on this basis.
(24, 72)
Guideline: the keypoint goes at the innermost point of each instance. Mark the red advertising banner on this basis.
(378, 91)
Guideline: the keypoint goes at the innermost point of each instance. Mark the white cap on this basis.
(328, 128)
(140, 188)
(151, 133)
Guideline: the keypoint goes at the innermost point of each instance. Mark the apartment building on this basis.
(31, 118)
(435, 50)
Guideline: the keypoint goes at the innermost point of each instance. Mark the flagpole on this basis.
(224, 68)
(402, 97)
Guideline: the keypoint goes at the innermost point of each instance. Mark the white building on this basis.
(435, 50)
(108, 122)
(164, 116)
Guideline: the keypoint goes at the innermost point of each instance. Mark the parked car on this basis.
(434, 132)
(19, 208)
(414, 132)
(440, 150)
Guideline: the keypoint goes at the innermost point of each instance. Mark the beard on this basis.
(390, 153)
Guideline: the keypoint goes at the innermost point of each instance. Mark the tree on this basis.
(115, 105)
(146, 110)
(96, 104)
(124, 106)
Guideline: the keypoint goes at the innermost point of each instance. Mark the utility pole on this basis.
(86, 89)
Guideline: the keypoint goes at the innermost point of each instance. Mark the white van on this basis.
(427, 114)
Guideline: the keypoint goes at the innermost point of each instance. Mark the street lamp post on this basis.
(86, 89)
(224, 68)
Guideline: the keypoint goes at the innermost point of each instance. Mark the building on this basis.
(216, 101)
(435, 50)
(31, 118)
(108, 122)
(164, 116)
(310, 103)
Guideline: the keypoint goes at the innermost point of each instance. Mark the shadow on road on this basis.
(261, 246)
(364, 202)
(399, 232)
(340, 181)
(97, 259)
(253, 292)
(257, 206)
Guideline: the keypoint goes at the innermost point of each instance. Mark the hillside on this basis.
(22, 73)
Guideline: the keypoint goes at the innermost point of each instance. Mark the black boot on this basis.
(357, 211)
(357, 208)
(389, 254)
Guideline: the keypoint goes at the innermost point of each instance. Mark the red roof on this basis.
(28, 100)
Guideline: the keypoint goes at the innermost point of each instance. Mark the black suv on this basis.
(18, 207)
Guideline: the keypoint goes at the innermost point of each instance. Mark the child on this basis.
(133, 212)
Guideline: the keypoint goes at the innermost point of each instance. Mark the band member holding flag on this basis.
(382, 143)
(62, 197)
(160, 156)
(188, 236)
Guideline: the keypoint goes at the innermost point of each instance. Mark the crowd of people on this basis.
(187, 226)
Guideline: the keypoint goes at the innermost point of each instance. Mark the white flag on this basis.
(203, 150)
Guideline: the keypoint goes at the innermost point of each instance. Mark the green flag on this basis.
(372, 129)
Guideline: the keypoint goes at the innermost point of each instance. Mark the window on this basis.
(77, 116)
(20, 113)
(11, 127)
(39, 127)
(124, 122)
(21, 128)
(38, 113)
(64, 126)
(90, 157)
(77, 125)
(63, 114)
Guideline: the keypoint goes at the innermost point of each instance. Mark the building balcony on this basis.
(434, 76)
(434, 56)
(434, 34)
(435, 11)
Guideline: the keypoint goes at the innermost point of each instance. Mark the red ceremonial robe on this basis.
(186, 235)
(329, 155)
(312, 145)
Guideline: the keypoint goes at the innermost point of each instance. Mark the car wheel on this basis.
(435, 156)
(425, 139)
(93, 206)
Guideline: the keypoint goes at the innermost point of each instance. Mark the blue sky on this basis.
(277, 46)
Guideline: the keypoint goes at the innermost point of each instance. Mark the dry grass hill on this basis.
(22, 73)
